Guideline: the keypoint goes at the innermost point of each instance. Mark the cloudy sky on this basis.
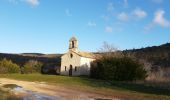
(45, 26)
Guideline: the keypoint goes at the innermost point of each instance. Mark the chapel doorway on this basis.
(70, 70)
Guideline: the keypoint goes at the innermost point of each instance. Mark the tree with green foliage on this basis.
(119, 69)
(32, 67)
(7, 66)
(113, 65)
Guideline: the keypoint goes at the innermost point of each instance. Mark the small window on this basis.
(75, 69)
(71, 55)
(65, 68)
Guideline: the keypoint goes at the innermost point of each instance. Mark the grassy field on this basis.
(124, 90)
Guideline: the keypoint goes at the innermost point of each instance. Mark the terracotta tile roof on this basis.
(86, 54)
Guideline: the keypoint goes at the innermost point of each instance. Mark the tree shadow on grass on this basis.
(129, 86)
(143, 88)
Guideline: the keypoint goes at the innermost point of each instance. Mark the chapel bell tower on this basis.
(73, 44)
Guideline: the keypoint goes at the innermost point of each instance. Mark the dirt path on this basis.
(62, 93)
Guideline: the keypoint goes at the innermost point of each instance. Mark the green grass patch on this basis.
(118, 89)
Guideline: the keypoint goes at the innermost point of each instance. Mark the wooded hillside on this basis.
(158, 56)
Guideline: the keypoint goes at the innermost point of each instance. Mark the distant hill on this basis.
(32, 54)
(159, 56)
(41, 55)
(20, 59)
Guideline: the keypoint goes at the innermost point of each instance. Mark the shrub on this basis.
(7, 66)
(118, 68)
(32, 67)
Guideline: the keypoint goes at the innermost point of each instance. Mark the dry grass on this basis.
(128, 91)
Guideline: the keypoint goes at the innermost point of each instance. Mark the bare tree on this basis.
(147, 66)
(108, 50)
(106, 47)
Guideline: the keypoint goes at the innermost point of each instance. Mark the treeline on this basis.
(115, 66)
(158, 60)
(50, 64)
(8, 67)
(158, 56)
(151, 63)
(21, 60)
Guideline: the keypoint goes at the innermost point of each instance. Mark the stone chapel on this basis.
(75, 62)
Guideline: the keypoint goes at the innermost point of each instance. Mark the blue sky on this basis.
(45, 26)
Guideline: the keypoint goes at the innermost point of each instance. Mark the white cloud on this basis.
(30, 2)
(159, 19)
(33, 2)
(108, 29)
(67, 11)
(139, 13)
(131, 16)
(110, 7)
(123, 16)
(91, 24)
